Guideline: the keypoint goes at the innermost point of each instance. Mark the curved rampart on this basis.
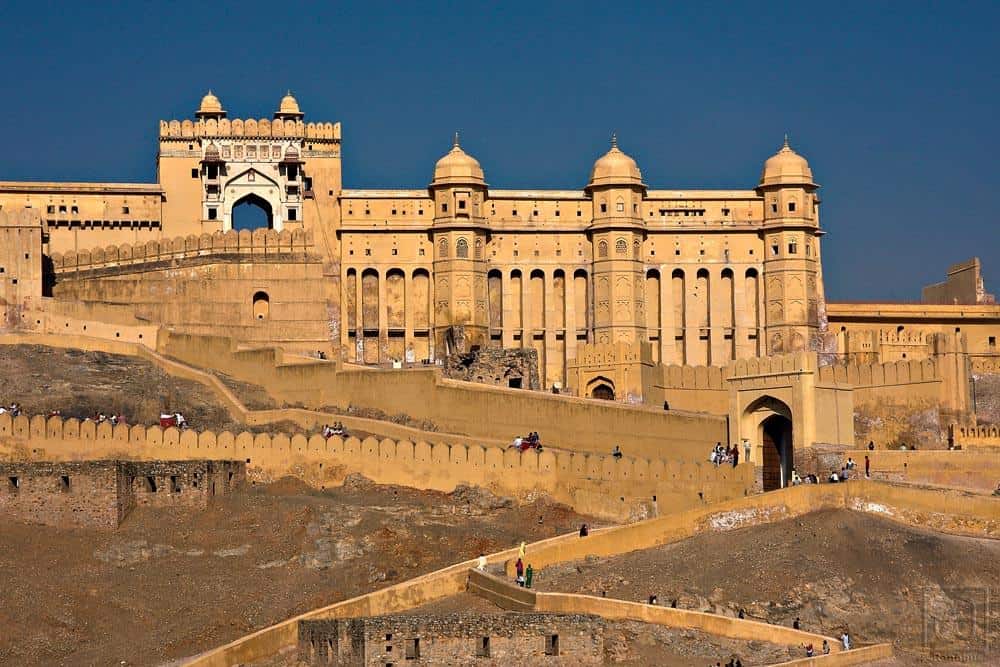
(951, 512)
(461, 407)
(945, 511)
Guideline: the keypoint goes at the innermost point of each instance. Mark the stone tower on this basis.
(793, 289)
(459, 234)
(617, 233)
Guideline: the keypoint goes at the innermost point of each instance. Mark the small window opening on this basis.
(483, 648)
(444, 208)
(620, 207)
(791, 206)
(175, 486)
(293, 214)
(774, 249)
(194, 173)
(150, 484)
(992, 341)
(604, 208)
(213, 213)
(793, 248)
(774, 208)
(64, 483)
(461, 204)
(552, 645)
(412, 649)
(14, 483)
(261, 305)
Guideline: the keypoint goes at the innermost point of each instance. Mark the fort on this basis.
(637, 329)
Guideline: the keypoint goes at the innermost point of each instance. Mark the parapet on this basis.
(224, 127)
(260, 242)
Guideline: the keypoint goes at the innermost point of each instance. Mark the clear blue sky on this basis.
(894, 104)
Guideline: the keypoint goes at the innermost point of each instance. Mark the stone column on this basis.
(408, 307)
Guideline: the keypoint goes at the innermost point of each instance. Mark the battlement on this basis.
(260, 242)
(224, 127)
(591, 482)
(877, 375)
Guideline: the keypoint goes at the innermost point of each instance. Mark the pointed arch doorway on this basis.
(768, 424)
(777, 461)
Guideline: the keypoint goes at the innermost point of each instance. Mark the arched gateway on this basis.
(770, 420)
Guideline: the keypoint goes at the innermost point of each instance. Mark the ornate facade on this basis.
(703, 277)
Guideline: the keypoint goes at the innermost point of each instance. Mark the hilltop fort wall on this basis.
(591, 483)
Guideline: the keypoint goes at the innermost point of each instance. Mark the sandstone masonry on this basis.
(454, 639)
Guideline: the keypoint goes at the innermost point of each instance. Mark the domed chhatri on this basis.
(457, 166)
(210, 106)
(288, 107)
(786, 167)
(615, 168)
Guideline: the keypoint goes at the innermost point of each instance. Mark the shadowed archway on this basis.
(252, 212)
(777, 462)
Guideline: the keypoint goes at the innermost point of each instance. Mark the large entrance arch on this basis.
(767, 425)
(252, 212)
(777, 461)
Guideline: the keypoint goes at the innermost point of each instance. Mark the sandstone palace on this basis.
(699, 300)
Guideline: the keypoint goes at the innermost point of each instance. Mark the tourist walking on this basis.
(519, 569)
(528, 575)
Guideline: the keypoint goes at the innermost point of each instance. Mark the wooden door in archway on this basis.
(603, 392)
(771, 463)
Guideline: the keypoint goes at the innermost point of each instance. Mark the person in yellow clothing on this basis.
(520, 552)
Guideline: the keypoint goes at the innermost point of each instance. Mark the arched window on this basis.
(602, 249)
(620, 205)
(479, 248)
(621, 247)
(261, 305)
(443, 248)
(462, 249)
(636, 248)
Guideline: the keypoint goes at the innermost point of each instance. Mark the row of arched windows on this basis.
(461, 248)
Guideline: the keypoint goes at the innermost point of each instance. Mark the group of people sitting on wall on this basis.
(530, 441)
(724, 455)
(112, 419)
(337, 429)
(14, 410)
(845, 473)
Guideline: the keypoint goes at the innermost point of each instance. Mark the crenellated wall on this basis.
(286, 245)
(250, 127)
(591, 483)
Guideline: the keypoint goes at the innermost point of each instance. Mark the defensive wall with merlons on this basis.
(597, 484)
(947, 511)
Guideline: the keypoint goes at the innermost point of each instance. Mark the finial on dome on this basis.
(614, 139)
(456, 139)
(786, 145)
